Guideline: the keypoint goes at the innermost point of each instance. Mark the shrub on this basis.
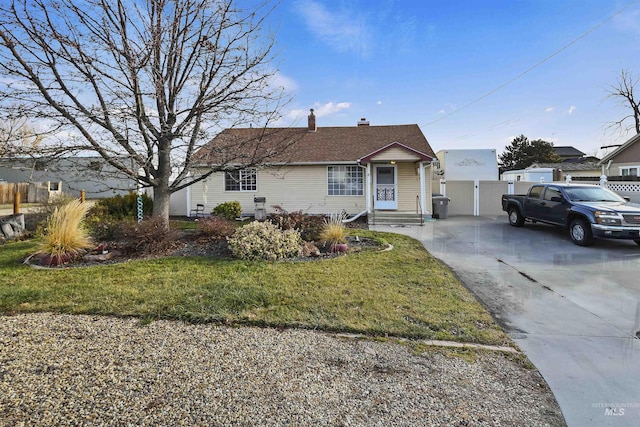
(263, 240)
(121, 207)
(309, 226)
(105, 228)
(333, 229)
(215, 227)
(106, 215)
(152, 235)
(65, 238)
(228, 210)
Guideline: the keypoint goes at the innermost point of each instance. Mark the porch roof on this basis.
(412, 151)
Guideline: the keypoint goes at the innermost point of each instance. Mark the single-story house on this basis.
(357, 169)
(587, 169)
(69, 175)
(624, 161)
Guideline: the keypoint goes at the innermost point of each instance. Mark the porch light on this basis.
(393, 162)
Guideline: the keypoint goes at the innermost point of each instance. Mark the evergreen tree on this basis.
(522, 153)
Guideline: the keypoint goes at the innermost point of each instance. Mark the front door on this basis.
(386, 194)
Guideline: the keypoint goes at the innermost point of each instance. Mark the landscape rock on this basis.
(90, 370)
(12, 227)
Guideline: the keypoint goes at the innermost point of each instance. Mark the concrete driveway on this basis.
(574, 311)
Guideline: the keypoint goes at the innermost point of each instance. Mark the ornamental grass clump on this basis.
(65, 237)
(265, 241)
(333, 232)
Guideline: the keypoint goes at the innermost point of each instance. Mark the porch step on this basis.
(395, 218)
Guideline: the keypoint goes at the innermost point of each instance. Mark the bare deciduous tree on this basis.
(18, 139)
(143, 83)
(622, 92)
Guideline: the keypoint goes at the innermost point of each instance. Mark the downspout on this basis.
(367, 195)
(356, 216)
(188, 202)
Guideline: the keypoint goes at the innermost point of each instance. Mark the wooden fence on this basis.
(32, 192)
(7, 190)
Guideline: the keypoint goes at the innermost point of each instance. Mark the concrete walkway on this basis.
(574, 311)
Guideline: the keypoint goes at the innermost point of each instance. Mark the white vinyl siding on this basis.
(304, 188)
(408, 186)
(396, 154)
(294, 188)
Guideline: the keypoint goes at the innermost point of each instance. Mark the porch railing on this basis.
(419, 210)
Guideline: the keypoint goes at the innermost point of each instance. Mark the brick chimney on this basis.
(363, 122)
(312, 122)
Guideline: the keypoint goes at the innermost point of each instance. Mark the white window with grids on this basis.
(241, 180)
(345, 181)
(629, 171)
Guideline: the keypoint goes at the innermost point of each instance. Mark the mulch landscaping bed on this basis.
(190, 243)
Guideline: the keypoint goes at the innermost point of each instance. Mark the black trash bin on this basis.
(440, 206)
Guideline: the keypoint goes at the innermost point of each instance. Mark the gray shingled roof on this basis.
(569, 166)
(567, 151)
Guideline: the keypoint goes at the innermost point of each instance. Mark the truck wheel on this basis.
(580, 231)
(515, 218)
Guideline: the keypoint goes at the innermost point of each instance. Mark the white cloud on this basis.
(279, 80)
(323, 110)
(548, 109)
(344, 30)
(571, 109)
(298, 116)
(379, 103)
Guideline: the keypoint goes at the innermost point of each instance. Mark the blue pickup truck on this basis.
(587, 211)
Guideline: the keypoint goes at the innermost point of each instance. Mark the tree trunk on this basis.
(161, 199)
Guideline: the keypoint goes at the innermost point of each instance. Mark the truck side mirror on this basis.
(558, 199)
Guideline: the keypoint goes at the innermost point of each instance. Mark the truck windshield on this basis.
(592, 194)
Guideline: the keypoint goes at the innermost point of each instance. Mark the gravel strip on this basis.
(92, 371)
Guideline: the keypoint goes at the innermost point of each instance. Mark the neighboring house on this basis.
(355, 169)
(624, 161)
(69, 175)
(574, 169)
(568, 153)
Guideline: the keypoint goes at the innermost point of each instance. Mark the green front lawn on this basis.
(403, 292)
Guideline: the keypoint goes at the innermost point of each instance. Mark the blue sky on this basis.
(424, 62)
